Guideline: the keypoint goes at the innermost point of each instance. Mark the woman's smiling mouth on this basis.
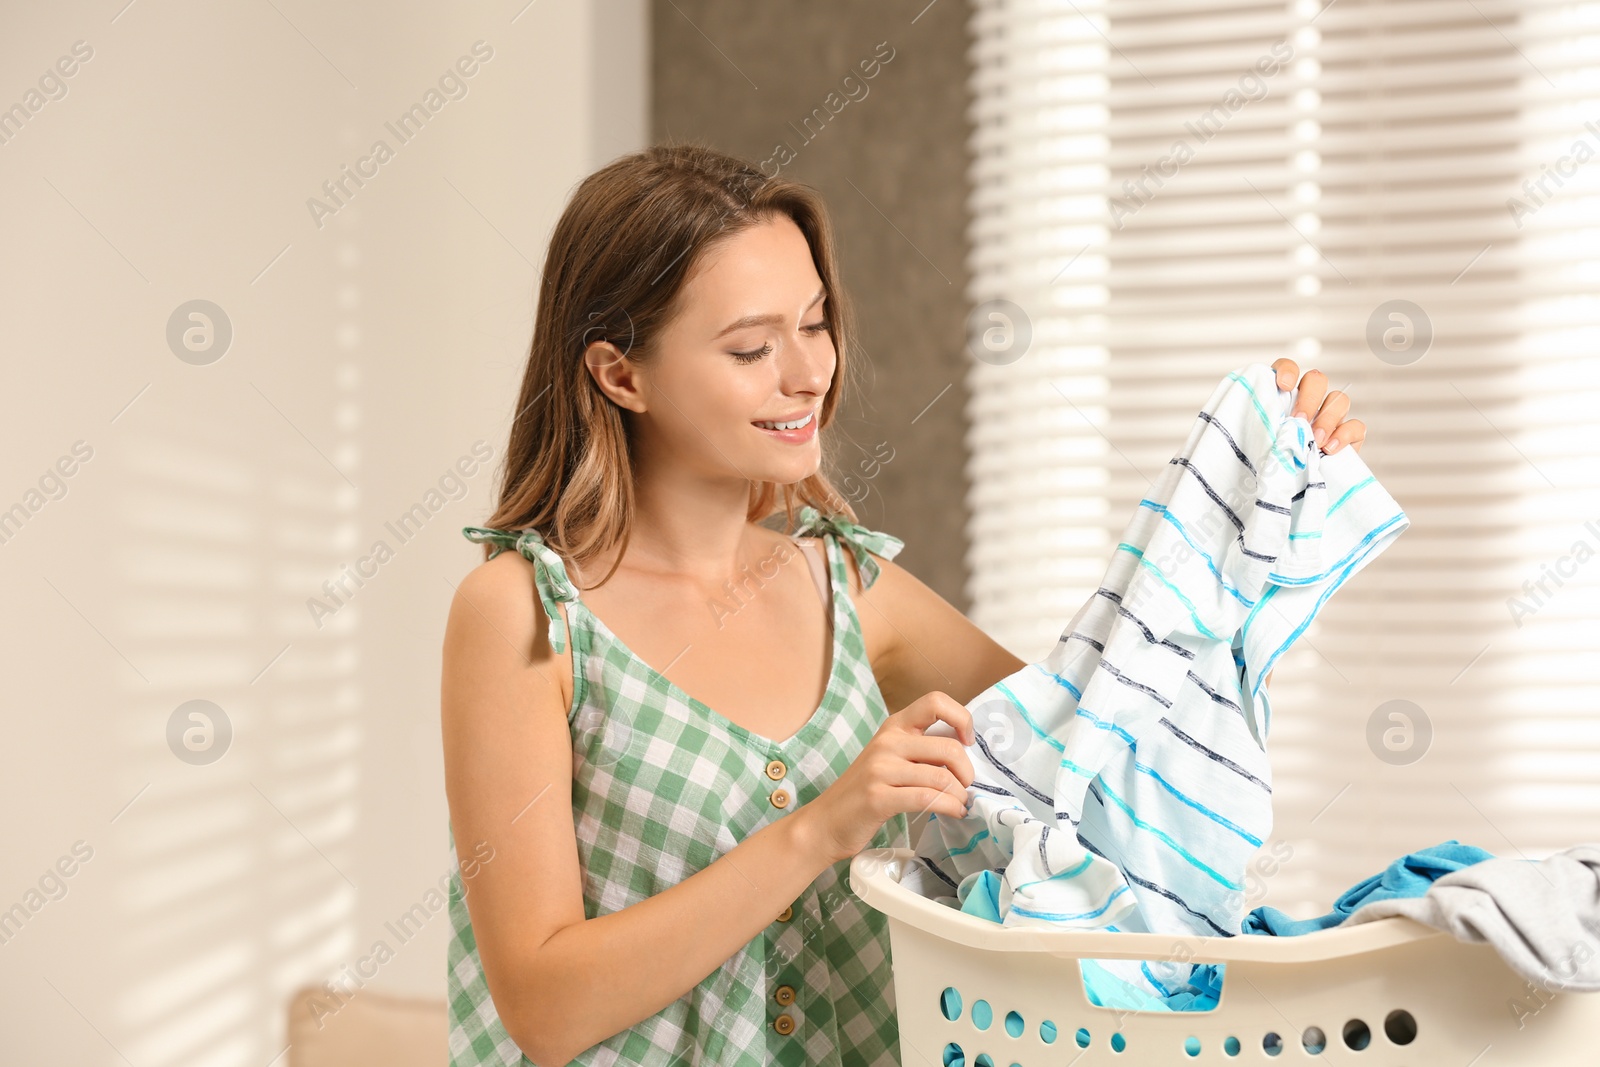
(798, 430)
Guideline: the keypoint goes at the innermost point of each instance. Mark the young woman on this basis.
(667, 725)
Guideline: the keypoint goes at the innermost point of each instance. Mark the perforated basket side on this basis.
(1404, 995)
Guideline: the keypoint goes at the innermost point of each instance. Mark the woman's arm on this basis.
(562, 983)
(930, 645)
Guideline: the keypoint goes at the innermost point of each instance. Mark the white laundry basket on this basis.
(1387, 993)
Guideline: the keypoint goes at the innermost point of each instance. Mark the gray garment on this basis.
(1542, 916)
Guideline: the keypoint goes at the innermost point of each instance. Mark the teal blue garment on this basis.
(980, 895)
(1104, 988)
(1409, 876)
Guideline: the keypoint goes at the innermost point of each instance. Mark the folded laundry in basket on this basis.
(1542, 916)
(1124, 778)
(1411, 875)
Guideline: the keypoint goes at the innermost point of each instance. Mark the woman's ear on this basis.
(617, 376)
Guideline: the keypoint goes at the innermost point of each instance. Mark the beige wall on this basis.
(209, 499)
(368, 355)
(890, 155)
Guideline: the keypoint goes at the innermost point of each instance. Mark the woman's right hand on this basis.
(902, 769)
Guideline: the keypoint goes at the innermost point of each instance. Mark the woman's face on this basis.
(749, 347)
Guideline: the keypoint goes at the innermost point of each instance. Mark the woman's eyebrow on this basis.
(771, 318)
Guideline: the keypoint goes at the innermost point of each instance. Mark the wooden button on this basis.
(776, 769)
(786, 914)
(780, 798)
(784, 1024)
(784, 995)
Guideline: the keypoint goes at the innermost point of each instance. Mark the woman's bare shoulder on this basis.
(496, 608)
(501, 590)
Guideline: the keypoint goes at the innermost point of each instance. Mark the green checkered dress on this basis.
(661, 786)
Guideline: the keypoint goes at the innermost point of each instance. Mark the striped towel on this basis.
(1123, 781)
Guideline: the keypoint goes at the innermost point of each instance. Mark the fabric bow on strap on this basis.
(549, 571)
(858, 538)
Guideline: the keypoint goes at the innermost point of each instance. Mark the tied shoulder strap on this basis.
(549, 571)
(859, 539)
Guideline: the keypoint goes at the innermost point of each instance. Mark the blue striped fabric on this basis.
(1123, 781)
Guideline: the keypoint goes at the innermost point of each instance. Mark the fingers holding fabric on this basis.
(1350, 432)
(911, 774)
(1325, 409)
(1288, 372)
(1334, 408)
(1313, 391)
(935, 707)
(945, 752)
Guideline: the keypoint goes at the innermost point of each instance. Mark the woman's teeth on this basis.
(795, 425)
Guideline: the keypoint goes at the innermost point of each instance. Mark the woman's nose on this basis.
(809, 366)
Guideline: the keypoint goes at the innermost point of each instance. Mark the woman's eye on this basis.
(751, 357)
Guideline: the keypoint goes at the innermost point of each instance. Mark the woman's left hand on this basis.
(1323, 409)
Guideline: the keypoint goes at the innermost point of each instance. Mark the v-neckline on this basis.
(811, 724)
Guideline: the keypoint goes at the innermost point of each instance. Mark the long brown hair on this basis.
(616, 266)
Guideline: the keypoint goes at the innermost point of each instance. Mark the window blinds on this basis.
(1400, 194)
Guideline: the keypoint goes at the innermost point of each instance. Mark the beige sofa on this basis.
(368, 1030)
